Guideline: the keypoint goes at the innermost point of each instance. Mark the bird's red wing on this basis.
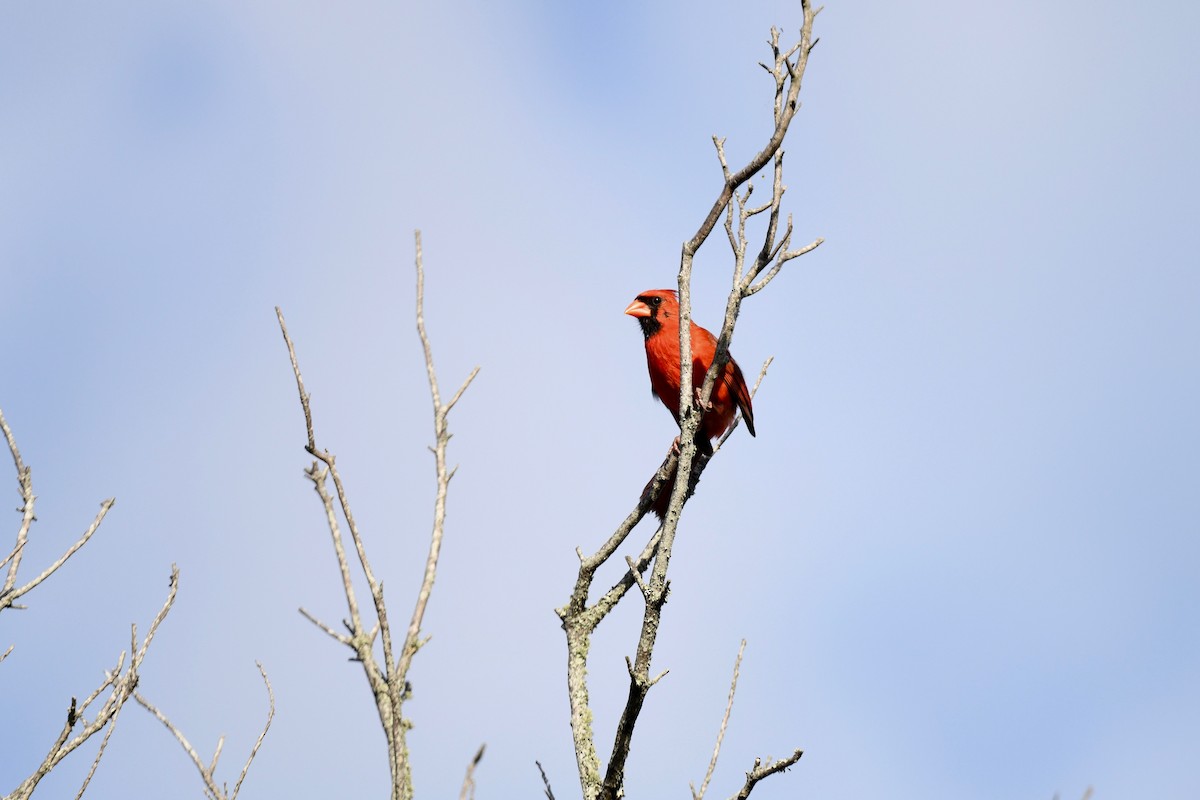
(736, 384)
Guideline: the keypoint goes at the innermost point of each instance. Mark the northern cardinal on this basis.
(657, 311)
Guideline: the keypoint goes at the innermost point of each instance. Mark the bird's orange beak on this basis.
(638, 309)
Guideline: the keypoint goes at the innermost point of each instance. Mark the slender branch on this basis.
(119, 683)
(304, 398)
(782, 259)
(10, 593)
(212, 765)
(795, 74)
(9, 599)
(546, 782)
(360, 641)
(99, 752)
(761, 770)
(266, 727)
(208, 773)
(631, 578)
(442, 439)
(712, 764)
(387, 676)
(25, 485)
(12, 555)
(635, 572)
(468, 788)
(318, 476)
(211, 789)
(341, 637)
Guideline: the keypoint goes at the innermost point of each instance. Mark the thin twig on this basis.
(211, 789)
(636, 573)
(9, 591)
(468, 787)
(545, 781)
(25, 486)
(208, 773)
(341, 637)
(112, 726)
(318, 476)
(441, 440)
(266, 727)
(387, 676)
(359, 641)
(304, 400)
(9, 599)
(712, 764)
(119, 684)
(12, 555)
(762, 770)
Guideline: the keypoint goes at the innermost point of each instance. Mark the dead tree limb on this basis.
(387, 671)
(467, 792)
(116, 689)
(712, 763)
(87, 719)
(208, 773)
(10, 592)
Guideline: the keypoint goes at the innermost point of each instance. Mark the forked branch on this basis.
(765, 769)
(116, 688)
(10, 592)
(208, 772)
(386, 672)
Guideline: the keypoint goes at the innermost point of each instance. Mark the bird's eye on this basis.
(656, 301)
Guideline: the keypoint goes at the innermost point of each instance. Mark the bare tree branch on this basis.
(766, 770)
(341, 637)
(795, 72)
(546, 782)
(387, 676)
(712, 764)
(10, 592)
(468, 788)
(119, 683)
(25, 484)
(442, 438)
(9, 598)
(208, 773)
(258, 742)
(16, 550)
(211, 790)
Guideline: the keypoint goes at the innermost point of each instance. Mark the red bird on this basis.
(657, 311)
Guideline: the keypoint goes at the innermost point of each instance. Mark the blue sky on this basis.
(963, 546)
